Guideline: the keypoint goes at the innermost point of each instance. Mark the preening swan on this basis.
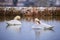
(40, 25)
(15, 21)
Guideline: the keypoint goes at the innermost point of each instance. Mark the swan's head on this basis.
(37, 20)
(17, 18)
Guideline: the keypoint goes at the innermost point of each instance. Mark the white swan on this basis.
(40, 25)
(14, 21)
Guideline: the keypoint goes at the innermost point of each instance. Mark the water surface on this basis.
(26, 32)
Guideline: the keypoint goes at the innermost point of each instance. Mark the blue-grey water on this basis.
(26, 32)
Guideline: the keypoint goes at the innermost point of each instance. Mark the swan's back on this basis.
(14, 22)
(46, 25)
(42, 26)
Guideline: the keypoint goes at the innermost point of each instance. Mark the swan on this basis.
(40, 25)
(15, 21)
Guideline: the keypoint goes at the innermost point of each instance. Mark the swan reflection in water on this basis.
(16, 28)
(39, 31)
(37, 34)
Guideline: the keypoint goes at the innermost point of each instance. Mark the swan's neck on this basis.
(37, 22)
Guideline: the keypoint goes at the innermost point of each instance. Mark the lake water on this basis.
(26, 32)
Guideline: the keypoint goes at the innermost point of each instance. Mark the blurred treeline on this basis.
(28, 12)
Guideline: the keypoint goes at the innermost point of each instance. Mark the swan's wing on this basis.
(36, 26)
(16, 22)
(13, 22)
(46, 25)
